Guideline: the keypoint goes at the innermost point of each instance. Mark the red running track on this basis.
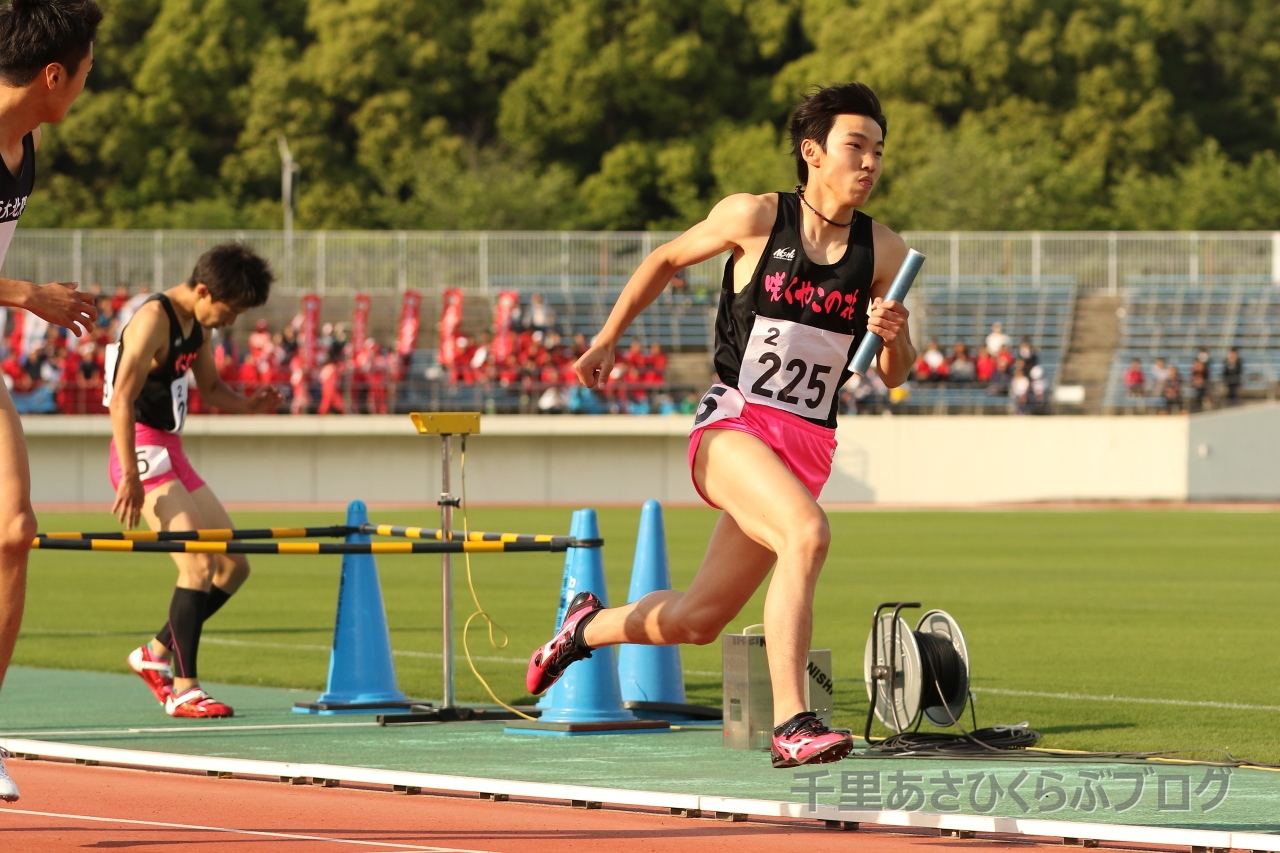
(67, 807)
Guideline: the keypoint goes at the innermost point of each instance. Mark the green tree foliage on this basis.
(621, 114)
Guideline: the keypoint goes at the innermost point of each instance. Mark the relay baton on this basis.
(897, 292)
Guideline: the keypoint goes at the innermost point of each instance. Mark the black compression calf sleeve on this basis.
(217, 598)
(186, 617)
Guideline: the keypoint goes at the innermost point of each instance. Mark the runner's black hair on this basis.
(37, 33)
(817, 113)
(234, 274)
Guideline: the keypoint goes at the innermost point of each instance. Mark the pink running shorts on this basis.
(805, 448)
(160, 460)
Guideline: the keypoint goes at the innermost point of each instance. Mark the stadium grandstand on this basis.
(1093, 322)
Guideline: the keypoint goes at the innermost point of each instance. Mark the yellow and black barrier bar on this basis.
(556, 543)
(208, 535)
(471, 536)
(229, 535)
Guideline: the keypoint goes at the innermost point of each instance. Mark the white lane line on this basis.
(1085, 697)
(180, 729)
(1081, 697)
(384, 845)
(225, 641)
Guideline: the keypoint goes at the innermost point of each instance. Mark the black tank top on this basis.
(14, 192)
(786, 339)
(162, 403)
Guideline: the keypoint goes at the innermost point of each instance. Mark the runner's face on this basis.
(851, 164)
(212, 314)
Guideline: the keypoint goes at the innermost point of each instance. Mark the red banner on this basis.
(450, 321)
(308, 334)
(360, 329)
(504, 340)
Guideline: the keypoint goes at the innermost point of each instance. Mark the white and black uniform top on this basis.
(786, 339)
(14, 192)
(162, 402)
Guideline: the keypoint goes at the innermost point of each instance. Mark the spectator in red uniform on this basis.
(375, 372)
(657, 359)
(260, 342)
(248, 376)
(331, 384)
(936, 362)
(1135, 381)
(16, 374)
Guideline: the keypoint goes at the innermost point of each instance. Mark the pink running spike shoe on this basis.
(550, 661)
(196, 703)
(805, 739)
(155, 671)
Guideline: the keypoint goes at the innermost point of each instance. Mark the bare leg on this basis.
(731, 571)
(17, 530)
(230, 571)
(172, 507)
(768, 512)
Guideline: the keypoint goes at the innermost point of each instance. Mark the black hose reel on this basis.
(913, 673)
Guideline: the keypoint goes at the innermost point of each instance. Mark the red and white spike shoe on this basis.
(155, 671)
(196, 703)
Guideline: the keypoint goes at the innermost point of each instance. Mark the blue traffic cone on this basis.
(587, 699)
(652, 677)
(362, 676)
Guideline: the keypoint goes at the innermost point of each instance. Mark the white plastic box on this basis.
(748, 693)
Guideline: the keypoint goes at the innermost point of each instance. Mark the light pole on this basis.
(287, 170)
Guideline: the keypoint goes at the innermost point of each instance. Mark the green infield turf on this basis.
(1116, 631)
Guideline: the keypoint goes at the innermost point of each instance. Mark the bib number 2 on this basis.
(179, 391)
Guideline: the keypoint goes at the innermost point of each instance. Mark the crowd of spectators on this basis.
(344, 376)
(59, 372)
(1163, 386)
(64, 374)
(1001, 368)
(536, 367)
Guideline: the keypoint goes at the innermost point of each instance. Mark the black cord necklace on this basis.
(805, 202)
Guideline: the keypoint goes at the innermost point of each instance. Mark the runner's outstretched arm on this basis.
(59, 302)
(735, 218)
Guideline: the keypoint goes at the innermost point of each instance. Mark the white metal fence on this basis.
(342, 262)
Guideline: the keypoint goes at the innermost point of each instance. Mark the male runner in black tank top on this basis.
(46, 51)
(790, 316)
(162, 346)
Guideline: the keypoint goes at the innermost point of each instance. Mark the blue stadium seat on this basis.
(1170, 318)
(1043, 314)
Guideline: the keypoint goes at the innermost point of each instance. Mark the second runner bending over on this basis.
(164, 344)
(805, 283)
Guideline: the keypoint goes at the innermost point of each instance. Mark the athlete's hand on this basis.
(594, 367)
(265, 399)
(129, 499)
(63, 305)
(887, 319)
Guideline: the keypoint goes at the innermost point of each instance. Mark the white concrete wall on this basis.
(1235, 454)
(625, 460)
(971, 459)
